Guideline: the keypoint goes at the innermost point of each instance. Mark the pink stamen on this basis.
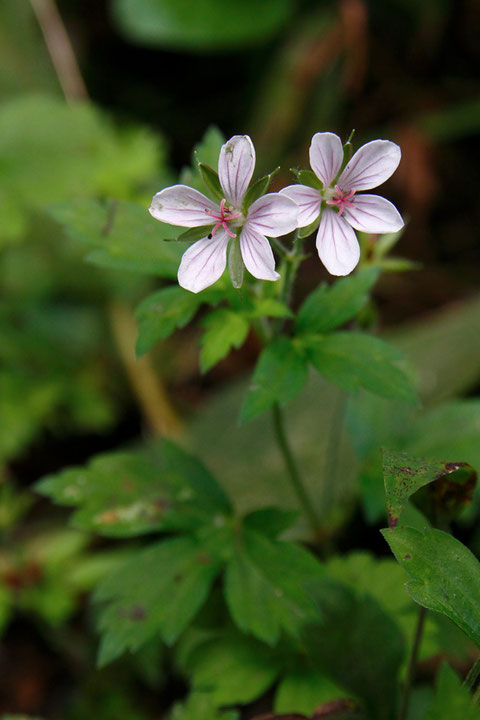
(341, 199)
(226, 214)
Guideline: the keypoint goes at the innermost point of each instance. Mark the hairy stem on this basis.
(412, 664)
(293, 472)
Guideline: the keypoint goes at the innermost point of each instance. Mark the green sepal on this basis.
(258, 189)
(195, 233)
(210, 180)
(308, 229)
(236, 266)
(307, 177)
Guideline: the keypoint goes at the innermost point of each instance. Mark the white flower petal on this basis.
(235, 168)
(257, 254)
(273, 215)
(370, 166)
(307, 200)
(337, 244)
(326, 156)
(373, 214)
(204, 262)
(182, 205)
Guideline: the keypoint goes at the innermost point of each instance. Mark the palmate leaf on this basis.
(156, 593)
(280, 374)
(353, 360)
(328, 307)
(127, 494)
(405, 474)
(224, 330)
(268, 586)
(445, 575)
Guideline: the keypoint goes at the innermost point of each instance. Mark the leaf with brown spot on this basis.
(451, 485)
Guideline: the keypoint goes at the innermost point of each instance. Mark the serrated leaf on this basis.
(280, 374)
(127, 494)
(224, 330)
(163, 312)
(404, 475)
(210, 180)
(451, 700)
(123, 234)
(258, 189)
(155, 594)
(268, 587)
(328, 307)
(234, 668)
(445, 574)
(354, 360)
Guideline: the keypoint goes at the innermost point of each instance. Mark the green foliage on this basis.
(203, 25)
(258, 189)
(211, 181)
(303, 690)
(269, 586)
(353, 360)
(123, 236)
(224, 330)
(280, 374)
(451, 700)
(127, 494)
(328, 307)
(404, 475)
(445, 574)
(201, 706)
(157, 592)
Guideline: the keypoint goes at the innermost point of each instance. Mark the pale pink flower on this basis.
(340, 208)
(271, 215)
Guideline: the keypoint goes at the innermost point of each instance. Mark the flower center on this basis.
(341, 199)
(226, 215)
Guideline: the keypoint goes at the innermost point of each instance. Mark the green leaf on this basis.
(328, 307)
(268, 587)
(163, 312)
(308, 177)
(235, 669)
(280, 374)
(445, 574)
(236, 266)
(123, 234)
(201, 706)
(193, 234)
(404, 475)
(451, 699)
(354, 360)
(200, 26)
(224, 329)
(355, 628)
(269, 307)
(304, 690)
(308, 229)
(211, 181)
(258, 189)
(127, 494)
(155, 594)
(270, 521)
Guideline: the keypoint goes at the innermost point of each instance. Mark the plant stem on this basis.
(293, 472)
(472, 678)
(412, 663)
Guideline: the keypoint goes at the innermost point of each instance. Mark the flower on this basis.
(340, 208)
(272, 214)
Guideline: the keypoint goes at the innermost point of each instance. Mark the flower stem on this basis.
(293, 472)
(412, 663)
(471, 681)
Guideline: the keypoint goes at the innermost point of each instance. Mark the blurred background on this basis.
(118, 119)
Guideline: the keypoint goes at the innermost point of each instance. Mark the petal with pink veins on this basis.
(337, 244)
(373, 214)
(257, 254)
(307, 200)
(370, 166)
(273, 215)
(182, 205)
(326, 156)
(204, 262)
(235, 168)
